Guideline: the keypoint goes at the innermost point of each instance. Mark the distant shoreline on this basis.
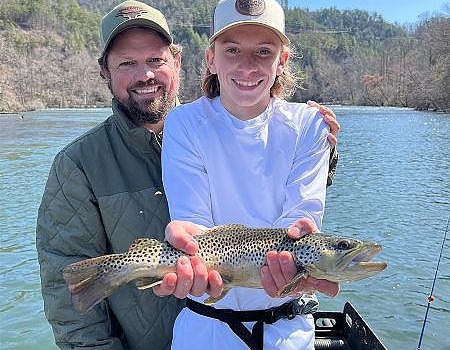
(53, 107)
(18, 113)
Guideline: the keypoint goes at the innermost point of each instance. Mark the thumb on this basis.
(301, 228)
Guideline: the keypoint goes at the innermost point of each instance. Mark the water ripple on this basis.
(392, 186)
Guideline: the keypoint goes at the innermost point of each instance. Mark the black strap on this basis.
(226, 315)
(234, 319)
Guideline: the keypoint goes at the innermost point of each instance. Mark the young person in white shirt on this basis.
(243, 154)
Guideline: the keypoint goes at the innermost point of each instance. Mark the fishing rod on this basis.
(431, 297)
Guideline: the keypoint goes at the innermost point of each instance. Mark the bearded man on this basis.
(104, 189)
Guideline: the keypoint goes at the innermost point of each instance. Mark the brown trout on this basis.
(237, 252)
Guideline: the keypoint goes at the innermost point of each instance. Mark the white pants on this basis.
(196, 332)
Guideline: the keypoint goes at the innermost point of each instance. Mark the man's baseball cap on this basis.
(232, 13)
(130, 14)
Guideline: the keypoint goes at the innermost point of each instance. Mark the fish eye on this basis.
(343, 245)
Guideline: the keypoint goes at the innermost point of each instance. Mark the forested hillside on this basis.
(49, 50)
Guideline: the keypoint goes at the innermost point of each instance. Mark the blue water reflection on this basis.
(392, 186)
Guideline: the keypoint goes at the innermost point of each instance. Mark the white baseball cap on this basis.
(232, 13)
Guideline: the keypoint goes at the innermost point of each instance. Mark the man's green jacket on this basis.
(104, 190)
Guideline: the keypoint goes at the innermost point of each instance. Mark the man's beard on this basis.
(150, 111)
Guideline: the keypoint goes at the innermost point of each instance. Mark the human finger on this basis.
(215, 284)
(301, 227)
(332, 123)
(167, 285)
(324, 110)
(200, 282)
(288, 267)
(185, 277)
(334, 126)
(180, 234)
(267, 282)
(327, 287)
(273, 262)
(332, 139)
(330, 119)
(323, 286)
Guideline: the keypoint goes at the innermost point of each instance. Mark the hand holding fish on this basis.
(192, 276)
(281, 269)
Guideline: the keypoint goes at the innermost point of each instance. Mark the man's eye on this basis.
(126, 63)
(156, 60)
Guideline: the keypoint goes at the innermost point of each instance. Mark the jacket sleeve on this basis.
(69, 228)
(334, 157)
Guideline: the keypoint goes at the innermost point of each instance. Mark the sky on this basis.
(394, 11)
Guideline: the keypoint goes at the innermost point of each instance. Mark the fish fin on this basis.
(145, 283)
(138, 243)
(224, 228)
(211, 300)
(290, 287)
(89, 282)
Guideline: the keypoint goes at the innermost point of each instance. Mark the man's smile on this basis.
(146, 90)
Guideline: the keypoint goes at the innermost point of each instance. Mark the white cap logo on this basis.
(250, 7)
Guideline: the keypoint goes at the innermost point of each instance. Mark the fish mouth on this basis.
(358, 264)
(367, 253)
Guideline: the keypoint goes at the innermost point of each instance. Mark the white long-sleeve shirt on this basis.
(268, 171)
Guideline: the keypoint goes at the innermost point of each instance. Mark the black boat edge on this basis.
(344, 330)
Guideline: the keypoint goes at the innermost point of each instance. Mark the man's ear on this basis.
(104, 73)
(178, 61)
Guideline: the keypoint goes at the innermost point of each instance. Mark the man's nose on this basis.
(145, 73)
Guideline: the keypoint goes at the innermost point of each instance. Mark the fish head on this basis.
(340, 259)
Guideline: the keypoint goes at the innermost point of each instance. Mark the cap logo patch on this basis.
(131, 12)
(250, 7)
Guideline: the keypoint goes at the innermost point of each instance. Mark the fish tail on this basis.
(91, 280)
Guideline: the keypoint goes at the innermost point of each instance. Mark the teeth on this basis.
(147, 90)
(246, 83)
